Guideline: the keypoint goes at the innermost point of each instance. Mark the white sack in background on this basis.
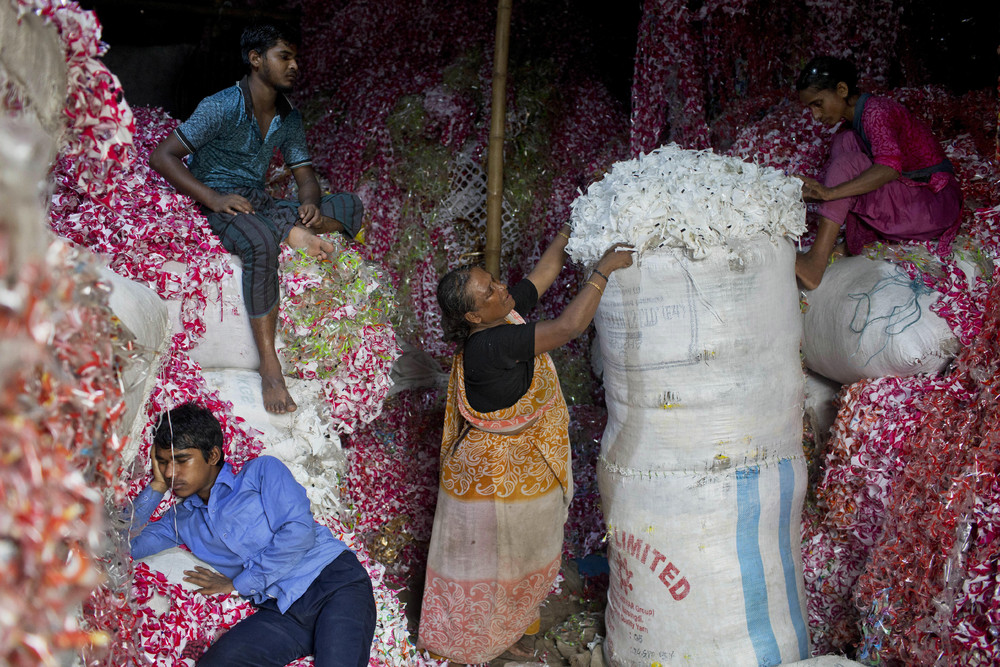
(33, 73)
(300, 439)
(173, 562)
(415, 368)
(701, 473)
(868, 319)
(144, 314)
(228, 341)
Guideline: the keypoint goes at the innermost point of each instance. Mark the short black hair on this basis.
(455, 301)
(825, 72)
(189, 426)
(260, 37)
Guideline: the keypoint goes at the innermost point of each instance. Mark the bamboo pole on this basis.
(498, 119)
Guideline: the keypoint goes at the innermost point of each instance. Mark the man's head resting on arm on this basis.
(187, 449)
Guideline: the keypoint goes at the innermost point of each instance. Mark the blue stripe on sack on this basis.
(785, 546)
(765, 646)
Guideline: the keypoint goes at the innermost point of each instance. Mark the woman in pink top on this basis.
(887, 179)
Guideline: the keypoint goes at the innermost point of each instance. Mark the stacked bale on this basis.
(701, 471)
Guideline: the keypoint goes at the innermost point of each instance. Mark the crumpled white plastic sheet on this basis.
(678, 198)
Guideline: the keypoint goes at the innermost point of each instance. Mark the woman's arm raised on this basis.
(576, 317)
(551, 262)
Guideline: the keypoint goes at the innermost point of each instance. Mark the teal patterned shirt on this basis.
(224, 139)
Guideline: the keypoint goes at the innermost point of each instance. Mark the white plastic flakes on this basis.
(678, 198)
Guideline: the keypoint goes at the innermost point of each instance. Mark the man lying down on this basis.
(255, 528)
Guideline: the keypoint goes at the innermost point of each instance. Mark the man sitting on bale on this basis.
(312, 595)
(232, 136)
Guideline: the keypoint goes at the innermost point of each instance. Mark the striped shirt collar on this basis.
(282, 103)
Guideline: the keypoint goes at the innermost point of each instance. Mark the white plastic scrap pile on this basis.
(701, 472)
(683, 199)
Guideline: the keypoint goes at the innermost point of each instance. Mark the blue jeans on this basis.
(333, 620)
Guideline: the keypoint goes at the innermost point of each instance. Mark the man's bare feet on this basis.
(277, 400)
(301, 238)
(276, 397)
(328, 225)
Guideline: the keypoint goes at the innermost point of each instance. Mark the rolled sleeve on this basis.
(249, 583)
(294, 149)
(208, 121)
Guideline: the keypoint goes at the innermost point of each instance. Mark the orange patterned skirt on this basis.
(498, 529)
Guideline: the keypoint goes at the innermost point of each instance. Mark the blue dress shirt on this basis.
(257, 529)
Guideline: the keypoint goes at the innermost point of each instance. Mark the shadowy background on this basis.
(173, 53)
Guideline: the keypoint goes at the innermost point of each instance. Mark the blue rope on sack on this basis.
(899, 319)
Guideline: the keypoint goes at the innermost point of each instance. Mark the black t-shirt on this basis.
(500, 361)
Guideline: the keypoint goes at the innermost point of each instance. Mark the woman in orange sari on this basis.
(506, 479)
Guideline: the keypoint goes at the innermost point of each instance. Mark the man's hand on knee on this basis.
(231, 203)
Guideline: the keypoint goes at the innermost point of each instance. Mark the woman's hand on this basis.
(870, 179)
(551, 262)
(550, 334)
(813, 190)
(616, 257)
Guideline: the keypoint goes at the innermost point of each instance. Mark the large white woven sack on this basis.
(144, 314)
(827, 661)
(706, 569)
(300, 439)
(705, 351)
(228, 340)
(701, 460)
(868, 319)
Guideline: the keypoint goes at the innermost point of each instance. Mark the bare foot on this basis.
(809, 269)
(276, 397)
(328, 225)
(301, 238)
(522, 652)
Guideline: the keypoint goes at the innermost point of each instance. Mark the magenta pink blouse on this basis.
(902, 141)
